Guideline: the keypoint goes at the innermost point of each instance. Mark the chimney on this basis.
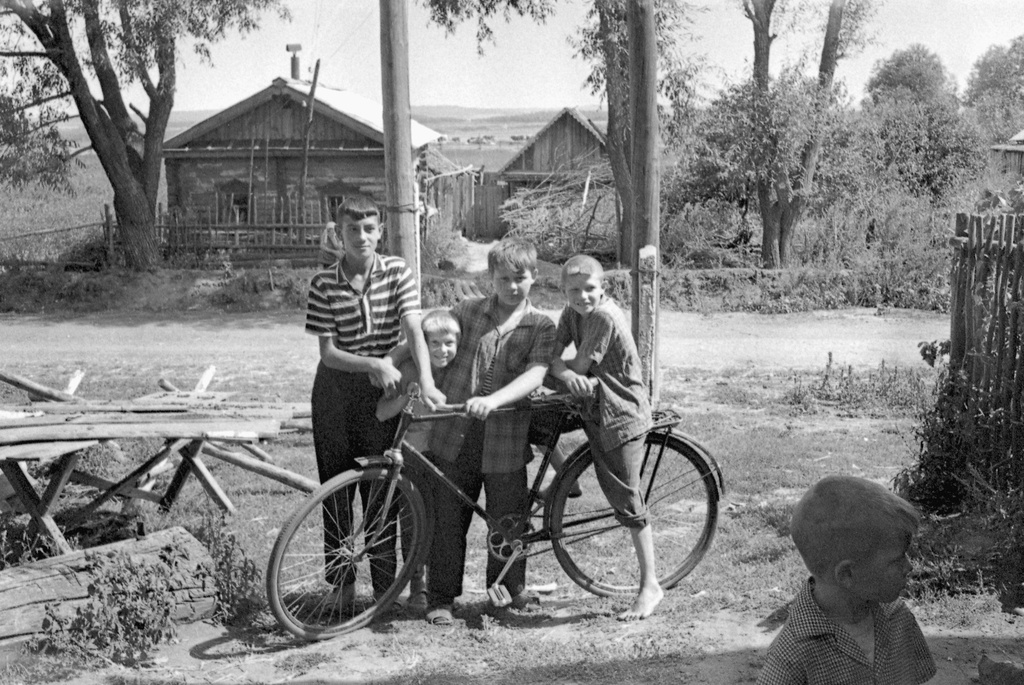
(294, 48)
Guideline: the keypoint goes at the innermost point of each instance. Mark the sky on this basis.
(531, 66)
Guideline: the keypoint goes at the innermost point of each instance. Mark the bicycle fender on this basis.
(376, 461)
(706, 454)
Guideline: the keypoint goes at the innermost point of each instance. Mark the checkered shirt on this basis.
(813, 650)
(622, 410)
(483, 350)
(367, 323)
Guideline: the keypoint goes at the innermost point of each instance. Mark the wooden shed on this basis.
(1011, 155)
(244, 164)
(569, 142)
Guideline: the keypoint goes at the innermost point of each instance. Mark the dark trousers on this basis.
(506, 494)
(345, 427)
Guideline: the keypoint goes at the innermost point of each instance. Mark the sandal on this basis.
(440, 616)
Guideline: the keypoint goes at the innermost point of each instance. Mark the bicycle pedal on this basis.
(499, 595)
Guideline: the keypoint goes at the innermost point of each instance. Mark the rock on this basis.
(999, 672)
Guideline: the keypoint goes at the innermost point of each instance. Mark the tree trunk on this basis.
(617, 140)
(781, 214)
(136, 226)
(25, 590)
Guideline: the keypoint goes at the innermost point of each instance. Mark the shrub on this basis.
(126, 615)
(240, 593)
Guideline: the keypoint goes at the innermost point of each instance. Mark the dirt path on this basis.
(860, 337)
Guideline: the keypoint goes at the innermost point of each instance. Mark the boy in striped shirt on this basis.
(359, 308)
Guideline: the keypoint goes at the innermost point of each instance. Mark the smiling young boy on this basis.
(847, 624)
(606, 374)
(503, 356)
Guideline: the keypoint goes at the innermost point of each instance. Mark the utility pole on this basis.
(643, 79)
(310, 102)
(398, 172)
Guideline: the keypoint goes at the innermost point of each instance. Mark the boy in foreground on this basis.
(847, 624)
(606, 373)
(503, 356)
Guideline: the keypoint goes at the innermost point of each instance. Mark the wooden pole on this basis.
(643, 78)
(305, 142)
(398, 171)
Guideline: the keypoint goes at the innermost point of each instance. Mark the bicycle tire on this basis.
(596, 551)
(301, 583)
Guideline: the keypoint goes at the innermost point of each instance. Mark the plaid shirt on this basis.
(482, 351)
(367, 323)
(813, 650)
(622, 410)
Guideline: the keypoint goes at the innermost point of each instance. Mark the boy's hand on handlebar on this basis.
(480, 407)
(580, 386)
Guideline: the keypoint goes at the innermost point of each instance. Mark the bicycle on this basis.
(681, 481)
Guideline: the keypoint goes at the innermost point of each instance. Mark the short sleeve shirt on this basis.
(367, 323)
(483, 351)
(623, 407)
(812, 649)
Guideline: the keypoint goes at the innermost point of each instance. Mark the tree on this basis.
(86, 55)
(604, 43)
(915, 73)
(995, 90)
(783, 182)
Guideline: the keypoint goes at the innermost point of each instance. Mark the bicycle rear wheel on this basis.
(597, 552)
(306, 573)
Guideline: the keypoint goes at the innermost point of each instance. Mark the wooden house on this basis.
(1011, 155)
(568, 143)
(244, 164)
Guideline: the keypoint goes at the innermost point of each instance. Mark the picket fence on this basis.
(987, 344)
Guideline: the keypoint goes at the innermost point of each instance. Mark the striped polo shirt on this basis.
(367, 323)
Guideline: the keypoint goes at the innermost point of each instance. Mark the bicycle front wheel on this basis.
(340, 560)
(597, 552)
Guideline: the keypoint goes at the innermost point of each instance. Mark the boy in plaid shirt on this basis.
(606, 374)
(503, 356)
(847, 624)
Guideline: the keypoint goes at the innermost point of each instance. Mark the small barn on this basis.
(1011, 155)
(568, 143)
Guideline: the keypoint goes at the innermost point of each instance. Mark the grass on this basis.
(771, 441)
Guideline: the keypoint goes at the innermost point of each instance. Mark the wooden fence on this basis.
(987, 343)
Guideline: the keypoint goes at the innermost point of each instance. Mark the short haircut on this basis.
(441, 321)
(584, 265)
(357, 208)
(845, 517)
(513, 254)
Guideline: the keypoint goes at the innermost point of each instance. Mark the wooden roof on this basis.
(568, 112)
(350, 110)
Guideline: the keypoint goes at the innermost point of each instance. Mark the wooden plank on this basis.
(58, 480)
(30, 501)
(103, 484)
(248, 463)
(209, 483)
(211, 429)
(43, 451)
(180, 476)
(37, 389)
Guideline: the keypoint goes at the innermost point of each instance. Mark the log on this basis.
(25, 590)
(207, 429)
(36, 389)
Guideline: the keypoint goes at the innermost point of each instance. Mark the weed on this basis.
(126, 614)
(240, 594)
(887, 390)
(17, 546)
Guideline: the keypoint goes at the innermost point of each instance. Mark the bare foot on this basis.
(644, 604)
(343, 598)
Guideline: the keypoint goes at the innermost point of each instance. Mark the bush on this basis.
(127, 613)
(240, 593)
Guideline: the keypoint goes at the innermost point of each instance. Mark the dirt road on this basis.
(859, 337)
